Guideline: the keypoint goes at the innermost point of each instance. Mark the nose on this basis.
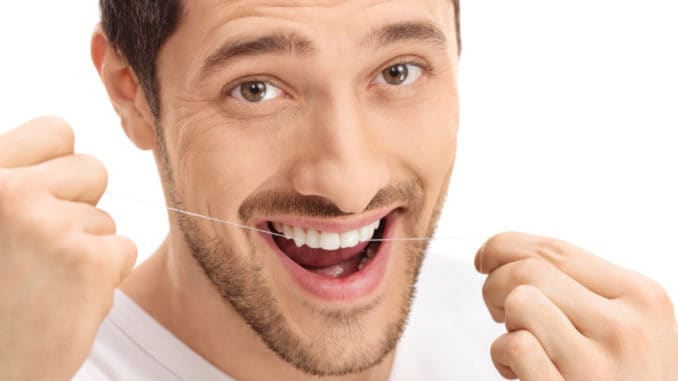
(342, 159)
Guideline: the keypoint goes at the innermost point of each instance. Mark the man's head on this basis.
(330, 122)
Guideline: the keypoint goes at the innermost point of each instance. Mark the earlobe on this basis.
(124, 91)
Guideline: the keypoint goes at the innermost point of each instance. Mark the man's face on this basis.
(318, 120)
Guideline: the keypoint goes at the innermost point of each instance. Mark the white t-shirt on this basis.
(447, 338)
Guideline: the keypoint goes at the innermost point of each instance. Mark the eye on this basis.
(256, 92)
(400, 74)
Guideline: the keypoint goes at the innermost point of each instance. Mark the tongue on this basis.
(319, 258)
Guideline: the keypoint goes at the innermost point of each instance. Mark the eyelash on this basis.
(416, 61)
(228, 89)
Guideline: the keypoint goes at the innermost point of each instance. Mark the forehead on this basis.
(337, 26)
(311, 11)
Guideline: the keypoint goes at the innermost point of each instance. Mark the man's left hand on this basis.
(573, 316)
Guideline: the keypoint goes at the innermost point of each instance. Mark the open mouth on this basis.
(331, 260)
(329, 254)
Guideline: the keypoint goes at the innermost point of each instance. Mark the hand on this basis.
(573, 316)
(60, 260)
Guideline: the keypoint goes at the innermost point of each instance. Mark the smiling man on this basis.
(327, 130)
(262, 115)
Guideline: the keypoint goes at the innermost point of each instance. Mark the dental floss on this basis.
(245, 227)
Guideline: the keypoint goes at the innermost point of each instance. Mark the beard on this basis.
(340, 347)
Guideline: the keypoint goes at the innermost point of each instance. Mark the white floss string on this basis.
(245, 227)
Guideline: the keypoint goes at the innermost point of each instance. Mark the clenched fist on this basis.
(60, 260)
(573, 316)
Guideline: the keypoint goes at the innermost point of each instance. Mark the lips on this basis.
(339, 274)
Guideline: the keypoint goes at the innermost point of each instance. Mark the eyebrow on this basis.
(393, 33)
(293, 44)
(277, 43)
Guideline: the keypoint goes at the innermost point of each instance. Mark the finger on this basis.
(36, 141)
(518, 354)
(527, 308)
(581, 306)
(92, 220)
(579, 264)
(120, 253)
(80, 178)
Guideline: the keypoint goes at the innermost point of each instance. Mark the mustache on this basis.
(280, 202)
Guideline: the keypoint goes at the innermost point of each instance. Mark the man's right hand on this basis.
(60, 259)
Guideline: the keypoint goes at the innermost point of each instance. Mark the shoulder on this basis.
(132, 346)
(117, 354)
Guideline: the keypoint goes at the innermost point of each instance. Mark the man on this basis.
(329, 145)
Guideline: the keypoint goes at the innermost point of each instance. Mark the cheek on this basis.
(424, 138)
(220, 163)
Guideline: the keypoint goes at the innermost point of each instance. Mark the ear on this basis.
(123, 89)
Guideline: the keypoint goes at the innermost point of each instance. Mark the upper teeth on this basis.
(325, 240)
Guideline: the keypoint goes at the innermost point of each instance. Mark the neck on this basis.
(174, 290)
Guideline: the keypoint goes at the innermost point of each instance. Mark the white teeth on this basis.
(350, 239)
(299, 236)
(366, 233)
(313, 239)
(325, 240)
(329, 241)
(288, 231)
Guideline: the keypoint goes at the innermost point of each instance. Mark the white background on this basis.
(569, 120)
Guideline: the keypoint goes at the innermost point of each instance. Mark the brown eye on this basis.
(396, 74)
(254, 91)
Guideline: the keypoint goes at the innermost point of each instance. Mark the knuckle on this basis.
(552, 249)
(116, 255)
(517, 301)
(94, 168)
(91, 162)
(520, 343)
(488, 290)
(497, 347)
(500, 240)
(620, 330)
(526, 270)
(130, 249)
(615, 331)
(654, 296)
(108, 221)
(125, 245)
(60, 131)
